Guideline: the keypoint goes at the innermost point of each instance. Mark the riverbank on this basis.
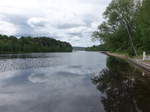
(145, 65)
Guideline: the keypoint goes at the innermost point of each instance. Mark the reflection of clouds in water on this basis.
(56, 84)
(39, 77)
(74, 60)
(9, 74)
(56, 80)
(17, 64)
(15, 98)
(51, 85)
(56, 74)
(82, 70)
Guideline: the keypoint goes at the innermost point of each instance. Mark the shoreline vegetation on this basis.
(124, 33)
(125, 28)
(138, 62)
(12, 44)
(97, 48)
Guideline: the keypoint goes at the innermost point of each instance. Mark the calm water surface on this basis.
(50, 82)
(71, 82)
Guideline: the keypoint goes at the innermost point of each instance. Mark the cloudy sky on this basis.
(67, 20)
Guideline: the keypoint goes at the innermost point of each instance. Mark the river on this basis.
(71, 82)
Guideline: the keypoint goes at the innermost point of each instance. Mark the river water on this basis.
(71, 82)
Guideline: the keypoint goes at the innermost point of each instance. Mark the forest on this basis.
(101, 47)
(126, 27)
(12, 44)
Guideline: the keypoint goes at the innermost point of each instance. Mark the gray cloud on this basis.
(75, 34)
(67, 20)
(68, 26)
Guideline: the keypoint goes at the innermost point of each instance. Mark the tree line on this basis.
(11, 44)
(96, 48)
(126, 27)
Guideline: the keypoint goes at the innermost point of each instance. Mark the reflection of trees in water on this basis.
(126, 89)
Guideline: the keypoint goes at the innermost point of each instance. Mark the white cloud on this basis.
(37, 22)
(7, 28)
(79, 29)
(57, 18)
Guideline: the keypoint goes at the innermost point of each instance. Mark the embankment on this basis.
(137, 62)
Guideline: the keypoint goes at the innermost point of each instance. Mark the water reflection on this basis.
(50, 82)
(27, 55)
(125, 88)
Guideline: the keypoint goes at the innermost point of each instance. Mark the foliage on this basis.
(97, 48)
(11, 44)
(143, 24)
(126, 26)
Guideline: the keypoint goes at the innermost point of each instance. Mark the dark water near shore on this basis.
(71, 82)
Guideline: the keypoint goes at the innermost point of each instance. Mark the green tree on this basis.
(143, 23)
(117, 31)
(11, 44)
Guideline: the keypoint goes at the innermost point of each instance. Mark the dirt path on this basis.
(136, 61)
(116, 55)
